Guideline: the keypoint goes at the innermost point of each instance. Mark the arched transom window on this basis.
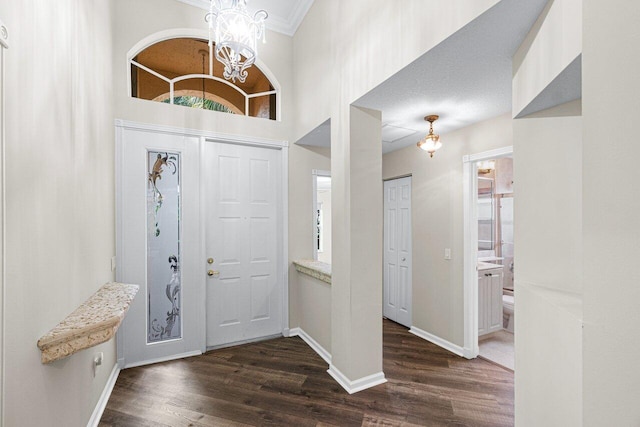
(182, 71)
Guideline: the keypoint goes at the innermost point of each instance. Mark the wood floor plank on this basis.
(283, 382)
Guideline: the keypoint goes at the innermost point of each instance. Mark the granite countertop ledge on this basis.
(94, 322)
(316, 269)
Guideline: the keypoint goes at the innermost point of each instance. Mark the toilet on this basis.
(508, 303)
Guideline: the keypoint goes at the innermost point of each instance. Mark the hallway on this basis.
(283, 382)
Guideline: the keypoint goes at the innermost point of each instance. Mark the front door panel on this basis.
(242, 220)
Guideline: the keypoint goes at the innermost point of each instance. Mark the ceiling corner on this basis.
(285, 16)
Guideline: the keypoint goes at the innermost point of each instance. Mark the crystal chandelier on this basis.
(235, 34)
(431, 142)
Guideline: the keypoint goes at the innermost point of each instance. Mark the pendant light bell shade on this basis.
(431, 142)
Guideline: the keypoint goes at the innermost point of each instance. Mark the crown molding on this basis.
(285, 25)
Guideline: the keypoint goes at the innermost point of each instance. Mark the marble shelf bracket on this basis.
(94, 322)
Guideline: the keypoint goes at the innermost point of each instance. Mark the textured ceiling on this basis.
(465, 79)
(285, 16)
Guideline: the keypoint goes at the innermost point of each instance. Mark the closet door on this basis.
(397, 251)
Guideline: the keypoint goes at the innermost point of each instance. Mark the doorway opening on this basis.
(495, 260)
(489, 256)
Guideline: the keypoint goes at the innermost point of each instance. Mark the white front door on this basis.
(158, 245)
(397, 251)
(243, 211)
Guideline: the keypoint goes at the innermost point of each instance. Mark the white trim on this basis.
(315, 346)
(470, 254)
(220, 137)
(4, 44)
(203, 250)
(284, 25)
(104, 397)
(491, 154)
(356, 385)
(164, 359)
(285, 239)
(315, 173)
(455, 349)
(119, 157)
(470, 273)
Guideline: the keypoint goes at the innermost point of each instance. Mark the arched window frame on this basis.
(203, 35)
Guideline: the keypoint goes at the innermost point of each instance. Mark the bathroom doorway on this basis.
(495, 260)
(489, 256)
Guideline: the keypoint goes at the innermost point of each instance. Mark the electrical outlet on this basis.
(97, 361)
(447, 253)
(113, 263)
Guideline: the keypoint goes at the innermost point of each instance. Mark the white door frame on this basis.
(205, 136)
(470, 215)
(4, 44)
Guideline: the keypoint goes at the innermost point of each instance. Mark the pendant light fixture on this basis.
(431, 142)
(235, 34)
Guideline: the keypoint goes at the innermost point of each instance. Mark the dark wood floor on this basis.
(282, 382)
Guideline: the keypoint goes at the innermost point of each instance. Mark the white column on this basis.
(356, 294)
(611, 212)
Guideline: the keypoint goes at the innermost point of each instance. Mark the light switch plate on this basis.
(447, 253)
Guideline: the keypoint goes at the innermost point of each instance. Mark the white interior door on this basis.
(159, 245)
(397, 251)
(243, 220)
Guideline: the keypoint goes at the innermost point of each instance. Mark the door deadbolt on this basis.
(210, 261)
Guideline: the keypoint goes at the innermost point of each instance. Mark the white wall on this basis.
(548, 267)
(556, 37)
(611, 204)
(314, 306)
(6, 39)
(60, 200)
(548, 227)
(438, 222)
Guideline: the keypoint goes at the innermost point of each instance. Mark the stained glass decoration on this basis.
(163, 247)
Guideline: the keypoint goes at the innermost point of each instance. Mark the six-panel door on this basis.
(397, 251)
(242, 200)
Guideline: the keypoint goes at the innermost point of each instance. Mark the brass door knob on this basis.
(212, 273)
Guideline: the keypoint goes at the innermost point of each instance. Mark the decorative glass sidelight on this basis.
(163, 247)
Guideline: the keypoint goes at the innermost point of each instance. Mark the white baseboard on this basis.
(315, 346)
(164, 359)
(356, 385)
(455, 349)
(286, 332)
(104, 397)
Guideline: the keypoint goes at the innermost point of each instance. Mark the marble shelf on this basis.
(94, 322)
(316, 269)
